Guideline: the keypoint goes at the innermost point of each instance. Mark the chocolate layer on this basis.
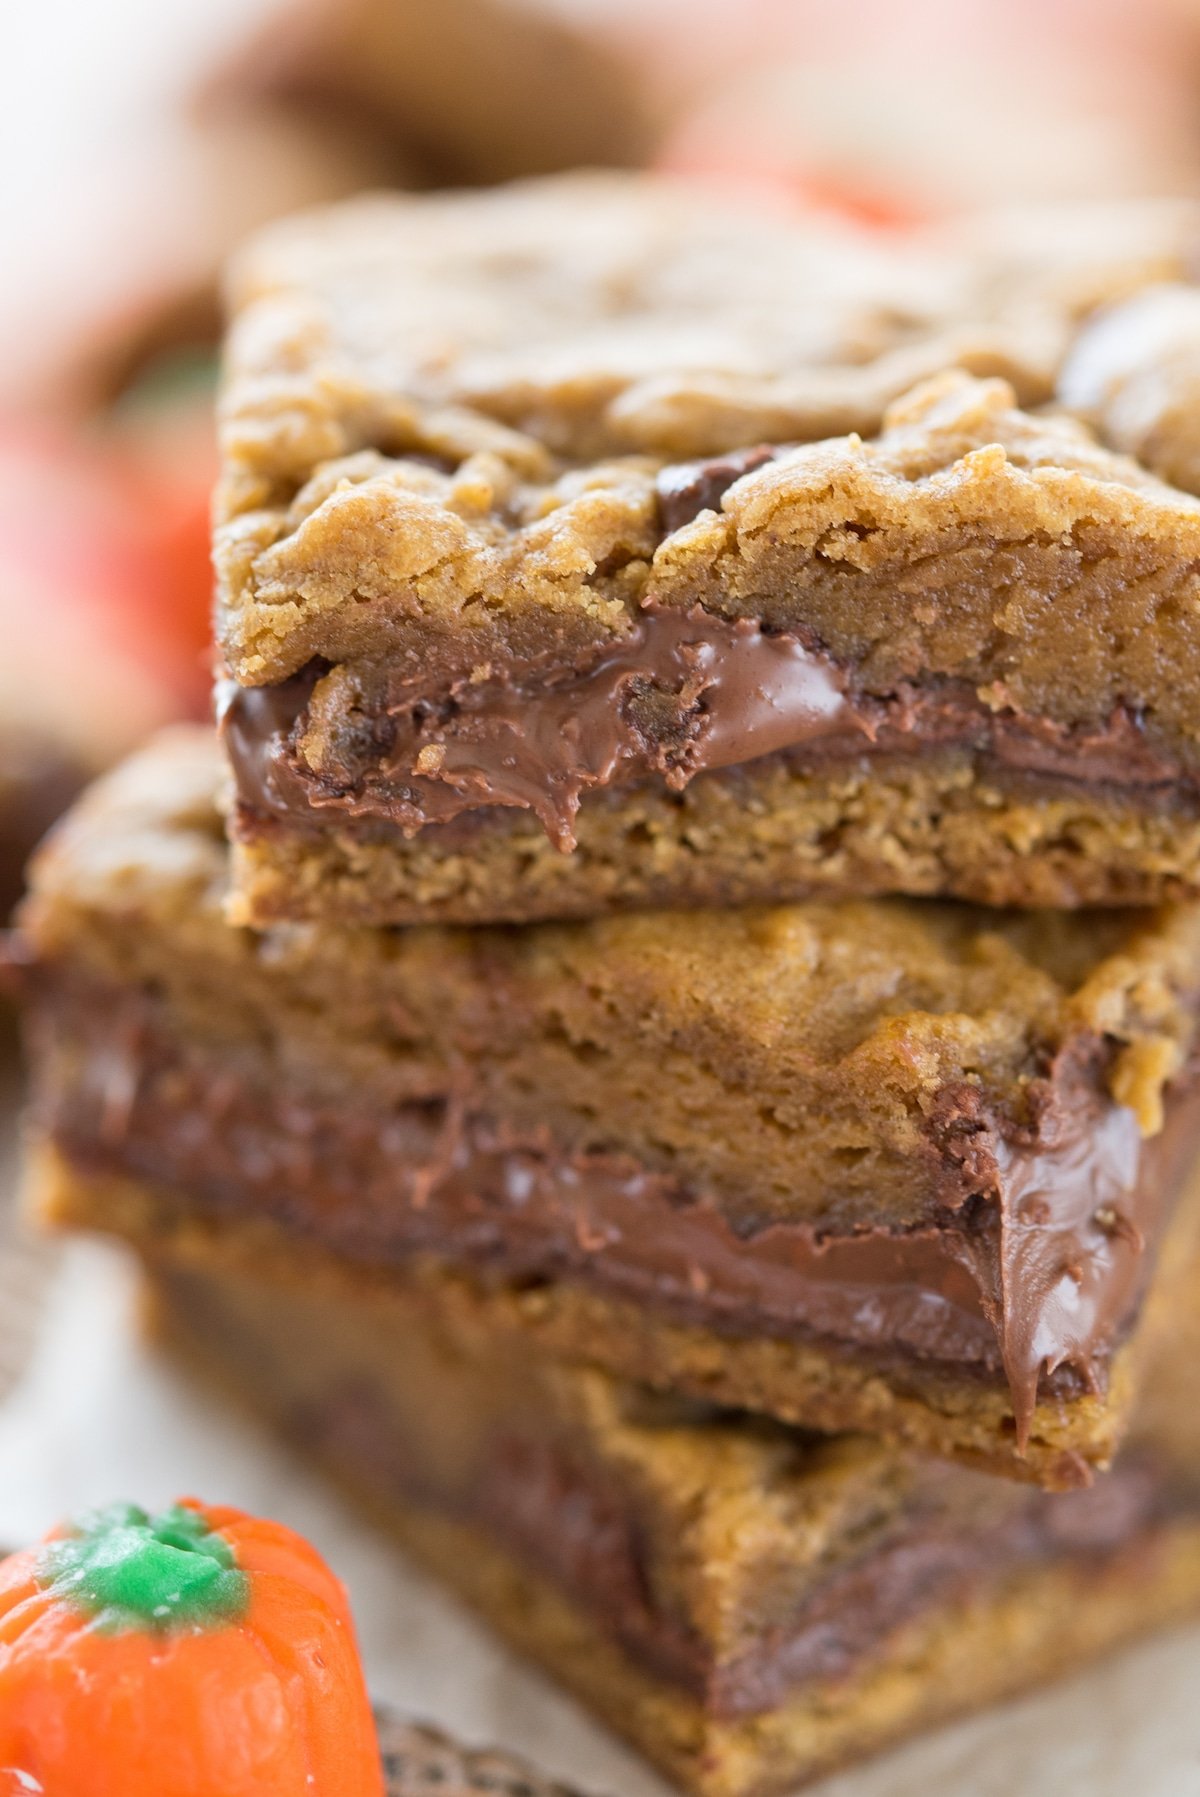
(1032, 1272)
(572, 1525)
(561, 1510)
(685, 489)
(681, 693)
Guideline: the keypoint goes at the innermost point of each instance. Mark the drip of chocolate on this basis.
(680, 693)
(683, 692)
(1035, 1269)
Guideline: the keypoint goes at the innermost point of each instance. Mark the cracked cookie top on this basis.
(485, 429)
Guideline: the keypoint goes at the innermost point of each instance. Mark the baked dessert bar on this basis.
(594, 545)
(478, 90)
(749, 1604)
(886, 1165)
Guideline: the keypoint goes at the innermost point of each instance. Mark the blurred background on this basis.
(141, 141)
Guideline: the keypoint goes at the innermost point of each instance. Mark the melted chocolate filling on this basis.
(683, 691)
(1033, 1278)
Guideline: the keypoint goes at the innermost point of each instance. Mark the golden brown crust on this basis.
(592, 314)
(398, 328)
(969, 540)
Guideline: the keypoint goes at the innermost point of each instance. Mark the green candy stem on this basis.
(126, 1569)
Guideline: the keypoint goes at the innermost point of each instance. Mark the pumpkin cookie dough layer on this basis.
(750, 1605)
(886, 1165)
(550, 585)
(875, 825)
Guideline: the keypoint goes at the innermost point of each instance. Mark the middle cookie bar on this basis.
(892, 1166)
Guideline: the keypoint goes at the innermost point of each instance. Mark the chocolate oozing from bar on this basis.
(684, 691)
(1030, 1267)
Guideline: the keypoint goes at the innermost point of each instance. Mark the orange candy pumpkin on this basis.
(198, 1653)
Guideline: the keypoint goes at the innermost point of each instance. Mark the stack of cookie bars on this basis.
(660, 1045)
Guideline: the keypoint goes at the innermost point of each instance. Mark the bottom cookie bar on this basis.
(751, 1605)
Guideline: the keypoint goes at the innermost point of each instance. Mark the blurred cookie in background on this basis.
(306, 101)
(468, 90)
(892, 113)
(106, 435)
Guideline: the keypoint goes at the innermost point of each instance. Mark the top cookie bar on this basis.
(594, 544)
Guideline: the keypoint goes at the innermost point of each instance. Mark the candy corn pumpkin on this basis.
(198, 1653)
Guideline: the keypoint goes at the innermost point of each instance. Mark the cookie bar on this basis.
(479, 90)
(749, 1604)
(590, 545)
(887, 1165)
